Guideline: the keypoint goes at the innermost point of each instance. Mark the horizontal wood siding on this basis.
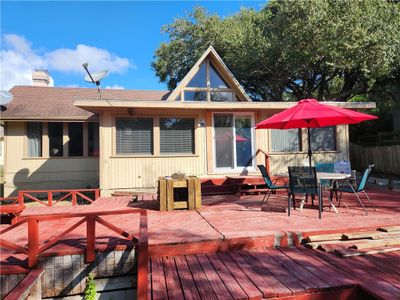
(43, 173)
(136, 172)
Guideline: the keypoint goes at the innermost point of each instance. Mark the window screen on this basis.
(323, 139)
(75, 135)
(93, 139)
(134, 136)
(176, 135)
(55, 131)
(287, 140)
(34, 133)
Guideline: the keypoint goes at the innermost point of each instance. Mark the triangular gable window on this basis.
(216, 80)
(200, 78)
(207, 85)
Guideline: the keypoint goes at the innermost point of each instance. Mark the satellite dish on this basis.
(96, 77)
(5, 98)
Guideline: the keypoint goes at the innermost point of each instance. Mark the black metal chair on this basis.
(268, 182)
(347, 187)
(303, 180)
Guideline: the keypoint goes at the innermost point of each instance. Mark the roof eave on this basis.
(96, 105)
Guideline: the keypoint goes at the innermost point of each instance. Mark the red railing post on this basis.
(91, 238)
(33, 241)
(143, 259)
(50, 198)
(96, 194)
(74, 199)
(20, 198)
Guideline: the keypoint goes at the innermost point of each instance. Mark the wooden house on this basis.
(70, 138)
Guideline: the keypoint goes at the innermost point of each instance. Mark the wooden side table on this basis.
(166, 188)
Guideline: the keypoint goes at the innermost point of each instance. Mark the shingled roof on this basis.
(34, 102)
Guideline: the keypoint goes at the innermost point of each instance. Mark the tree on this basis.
(328, 49)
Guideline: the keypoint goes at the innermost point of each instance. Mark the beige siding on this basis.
(43, 173)
(141, 172)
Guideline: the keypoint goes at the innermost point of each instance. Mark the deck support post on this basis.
(143, 259)
(33, 241)
(50, 198)
(74, 199)
(91, 238)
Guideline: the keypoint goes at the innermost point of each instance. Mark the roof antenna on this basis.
(95, 77)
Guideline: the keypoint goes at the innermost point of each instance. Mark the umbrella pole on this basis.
(309, 146)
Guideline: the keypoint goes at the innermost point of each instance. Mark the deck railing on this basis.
(34, 249)
(72, 195)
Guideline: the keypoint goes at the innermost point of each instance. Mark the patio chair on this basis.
(326, 167)
(347, 187)
(303, 180)
(268, 182)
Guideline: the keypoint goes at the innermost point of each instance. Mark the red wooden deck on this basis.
(289, 272)
(222, 218)
(227, 223)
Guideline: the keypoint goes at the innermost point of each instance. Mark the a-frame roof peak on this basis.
(211, 55)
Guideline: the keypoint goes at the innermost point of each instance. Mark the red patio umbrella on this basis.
(309, 113)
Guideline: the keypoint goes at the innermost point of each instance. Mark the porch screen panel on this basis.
(287, 140)
(55, 131)
(93, 139)
(75, 135)
(176, 136)
(34, 133)
(323, 139)
(134, 136)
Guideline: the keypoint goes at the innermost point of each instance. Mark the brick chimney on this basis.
(40, 78)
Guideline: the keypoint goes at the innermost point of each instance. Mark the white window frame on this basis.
(235, 169)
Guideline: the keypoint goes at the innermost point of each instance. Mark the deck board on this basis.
(203, 285)
(214, 279)
(275, 286)
(188, 284)
(159, 289)
(247, 285)
(246, 275)
(174, 288)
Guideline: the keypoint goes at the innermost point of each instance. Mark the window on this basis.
(177, 136)
(134, 136)
(93, 139)
(208, 85)
(55, 131)
(34, 134)
(287, 140)
(195, 96)
(233, 141)
(323, 139)
(200, 78)
(75, 142)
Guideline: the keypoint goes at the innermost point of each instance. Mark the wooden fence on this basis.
(385, 158)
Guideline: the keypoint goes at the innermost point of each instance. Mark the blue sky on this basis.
(119, 36)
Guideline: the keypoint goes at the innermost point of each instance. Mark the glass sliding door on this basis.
(243, 142)
(233, 141)
(223, 126)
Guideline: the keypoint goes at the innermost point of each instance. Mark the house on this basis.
(70, 138)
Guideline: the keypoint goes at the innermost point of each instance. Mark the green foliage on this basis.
(90, 289)
(293, 49)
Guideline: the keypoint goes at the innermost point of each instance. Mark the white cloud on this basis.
(18, 59)
(71, 60)
(115, 87)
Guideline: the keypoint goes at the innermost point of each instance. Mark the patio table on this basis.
(322, 176)
(330, 176)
